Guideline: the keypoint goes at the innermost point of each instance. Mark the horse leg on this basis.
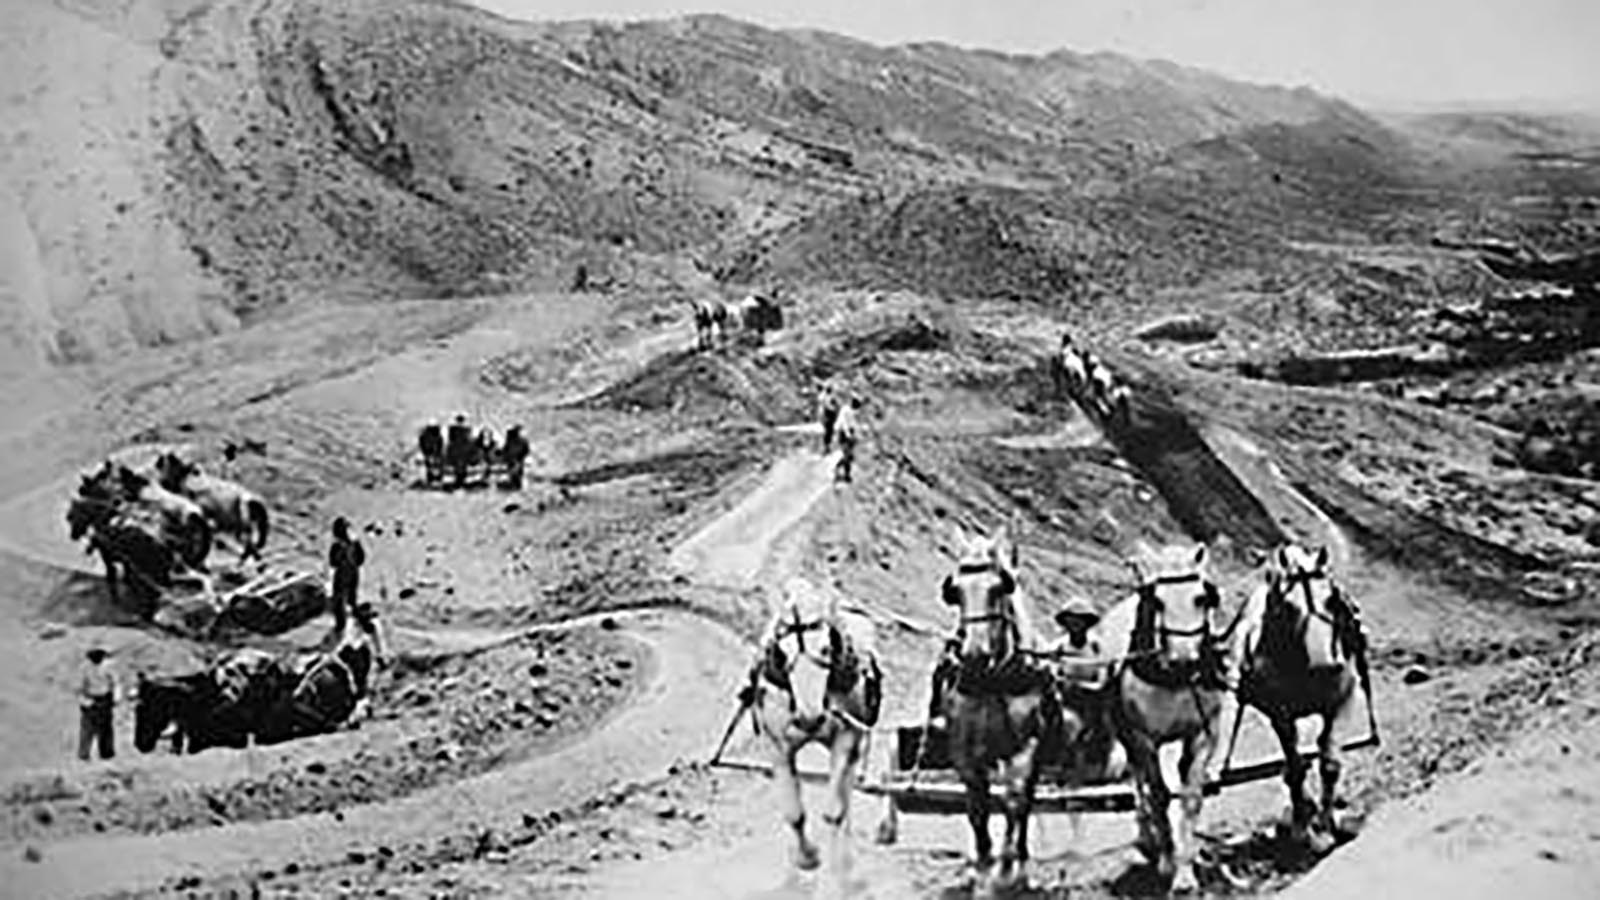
(1301, 809)
(977, 785)
(1150, 796)
(843, 754)
(1325, 834)
(787, 783)
(1021, 770)
(1192, 765)
(889, 825)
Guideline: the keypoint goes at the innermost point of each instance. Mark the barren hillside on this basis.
(190, 165)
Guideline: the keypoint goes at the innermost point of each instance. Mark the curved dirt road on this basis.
(685, 701)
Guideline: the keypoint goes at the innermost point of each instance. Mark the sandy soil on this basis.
(567, 655)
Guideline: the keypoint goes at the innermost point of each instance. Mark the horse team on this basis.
(150, 524)
(251, 695)
(1090, 381)
(1163, 667)
(755, 315)
(469, 457)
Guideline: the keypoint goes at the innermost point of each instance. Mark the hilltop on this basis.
(195, 166)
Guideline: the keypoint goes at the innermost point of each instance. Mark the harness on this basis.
(1148, 657)
(1345, 627)
(1012, 672)
(844, 667)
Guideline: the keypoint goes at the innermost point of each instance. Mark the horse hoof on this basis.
(1320, 842)
(807, 859)
(1185, 882)
(888, 833)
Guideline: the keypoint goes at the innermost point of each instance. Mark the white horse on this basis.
(1303, 654)
(817, 681)
(1171, 686)
(232, 507)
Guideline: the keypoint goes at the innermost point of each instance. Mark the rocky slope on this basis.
(193, 164)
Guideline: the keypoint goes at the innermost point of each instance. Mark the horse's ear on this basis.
(1202, 553)
(1141, 573)
(1008, 582)
(1323, 558)
(948, 592)
(1280, 557)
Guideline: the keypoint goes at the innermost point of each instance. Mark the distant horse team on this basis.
(251, 695)
(469, 458)
(755, 315)
(1085, 378)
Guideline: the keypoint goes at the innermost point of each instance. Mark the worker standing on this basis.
(97, 690)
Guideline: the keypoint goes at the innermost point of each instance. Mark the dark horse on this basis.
(219, 707)
(255, 693)
(128, 543)
(998, 705)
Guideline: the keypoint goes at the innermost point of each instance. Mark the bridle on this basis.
(1278, 598)
(1210, 600)
(1148, 656)
(1001, 613)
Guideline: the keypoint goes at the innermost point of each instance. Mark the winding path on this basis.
(684, 701)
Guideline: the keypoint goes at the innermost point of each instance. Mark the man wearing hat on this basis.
(97, 690)
(1076, 652)
(846, 428)
(458, 449)
(345, 557)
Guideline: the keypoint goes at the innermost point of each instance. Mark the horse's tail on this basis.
(259, 525)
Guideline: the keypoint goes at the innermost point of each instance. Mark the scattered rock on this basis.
(51, 632)
(317, 768)
(31, 854)
(510, 508)
(538, 670)
(408, 592)
(1184, 328)
(667, 812)
(1416, 675)
(608, 624)
(355, 857)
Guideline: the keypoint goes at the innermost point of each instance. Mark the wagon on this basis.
(919, 778)
(916, 776)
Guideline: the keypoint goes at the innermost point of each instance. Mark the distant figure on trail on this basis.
(515, 454)
(431, 443)
(848, 430)
(345, 557)
(458, 449)
(828, 402)
(97, 690)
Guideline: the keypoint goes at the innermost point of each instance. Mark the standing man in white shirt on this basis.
(97, 689)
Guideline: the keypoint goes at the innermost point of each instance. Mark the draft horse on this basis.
(817, 681)
(1304, 654)
(998, 702)
(1171, 686)
(230, 506)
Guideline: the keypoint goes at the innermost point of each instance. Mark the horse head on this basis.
(808, 654)
(87, 511)
(172, 470)
(983, 588)
(1303, 607)
(1177, 605)
(157, 704)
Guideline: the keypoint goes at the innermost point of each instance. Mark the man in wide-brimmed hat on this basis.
(97, 689)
